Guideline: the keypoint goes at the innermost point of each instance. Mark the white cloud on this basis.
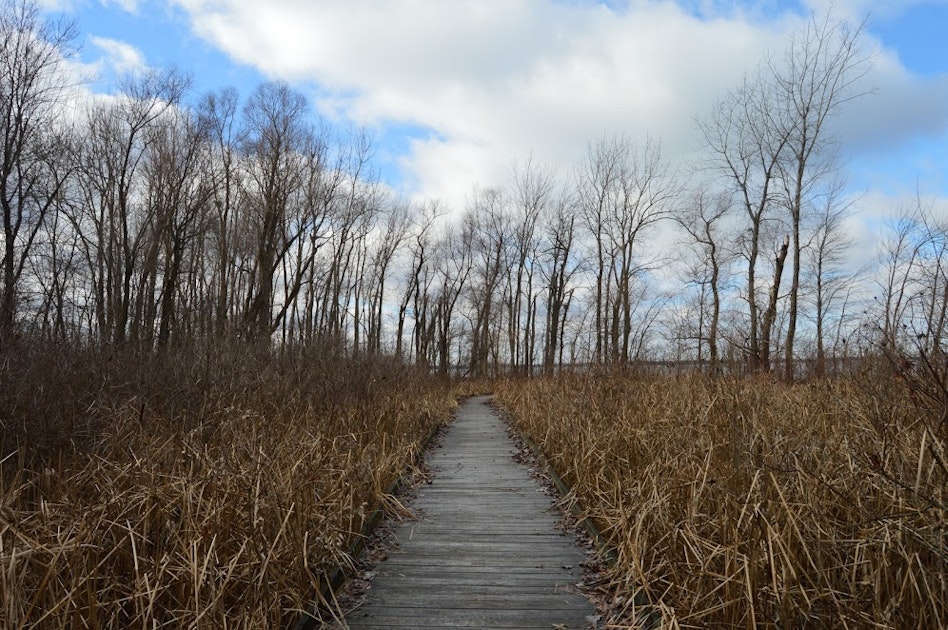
(873, 8)
(57, 5)
(900, 107)
(494, 80)
(129, 6)
(120, 56)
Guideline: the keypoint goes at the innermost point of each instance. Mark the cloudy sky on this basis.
(456, 90)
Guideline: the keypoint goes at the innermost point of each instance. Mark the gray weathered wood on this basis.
(486, 551)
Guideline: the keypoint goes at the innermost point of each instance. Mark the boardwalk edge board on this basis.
(330, 585)
(652, 618)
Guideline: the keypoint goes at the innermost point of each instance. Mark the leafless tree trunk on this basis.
(487, 225)
(419, 249)
(747, 137)
(770, 314)
(33, 56)
(532, 190)
(218, 112)
(559, 270)
(647, 193)
(454, 272)
(277, 133)
(596, 188)
(819, 73)
(118, 137)
(900, 256)
(701, 220)
(827, 251)
(394, 233)
(180, 186)
(623, 191)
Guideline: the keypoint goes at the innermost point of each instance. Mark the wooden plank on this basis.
(446, 572)
(545, 619)
(414, 579)
(465, 584)
(486, 551)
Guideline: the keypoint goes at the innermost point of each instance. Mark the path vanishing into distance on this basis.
(486, 550)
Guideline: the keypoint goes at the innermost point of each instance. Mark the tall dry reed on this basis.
(204, 488)
(751, 503)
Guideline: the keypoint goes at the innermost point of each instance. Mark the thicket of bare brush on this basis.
(751, 503)
(197, 489)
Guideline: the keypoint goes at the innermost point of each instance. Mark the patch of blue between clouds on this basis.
(391, 139)
(615, 5)
(755, 10)
(919, 34)
(918, 166)
(394, 140)
(162, 34)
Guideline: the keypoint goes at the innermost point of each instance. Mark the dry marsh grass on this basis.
(751, 503)
(195, 490)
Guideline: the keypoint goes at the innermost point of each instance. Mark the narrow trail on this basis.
(486, 551)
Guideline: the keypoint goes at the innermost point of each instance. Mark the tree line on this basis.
(156, 217)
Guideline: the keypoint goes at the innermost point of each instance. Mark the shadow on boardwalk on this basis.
(485, 551)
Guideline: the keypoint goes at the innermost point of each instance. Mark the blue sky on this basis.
(162, 34)
(454, 92)
(918, 35)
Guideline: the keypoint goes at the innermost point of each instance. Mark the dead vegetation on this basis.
(202, 488)
(199, 488)
(752, 503)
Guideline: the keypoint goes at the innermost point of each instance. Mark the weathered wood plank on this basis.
(451, 618)
(487, 551)
(461, 584)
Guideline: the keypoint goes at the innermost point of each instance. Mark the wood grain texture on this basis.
(486, 551)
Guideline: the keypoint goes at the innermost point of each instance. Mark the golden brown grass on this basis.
(751, 503)
(200, 489)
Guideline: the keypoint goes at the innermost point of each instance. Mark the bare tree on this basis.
(325, 183)
(770, 313)
(218, 111)
(394, 231)
(648, 191)
(769, 141)
(455, 256)
(356, 207)
(533, 186)
(596, 184)
(33, 82)
(419, 248)
(913, 284)
(899, 259)
(487, 224)
(179, 186)
(930, 334)
(747, 136)
(827, 258)
(117, 224)
(55, 269)
(623, 191)
(276, 131)
(820, 72)
(558, 268)
(701, 220)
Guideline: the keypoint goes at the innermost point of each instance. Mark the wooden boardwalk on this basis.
(486, 551)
